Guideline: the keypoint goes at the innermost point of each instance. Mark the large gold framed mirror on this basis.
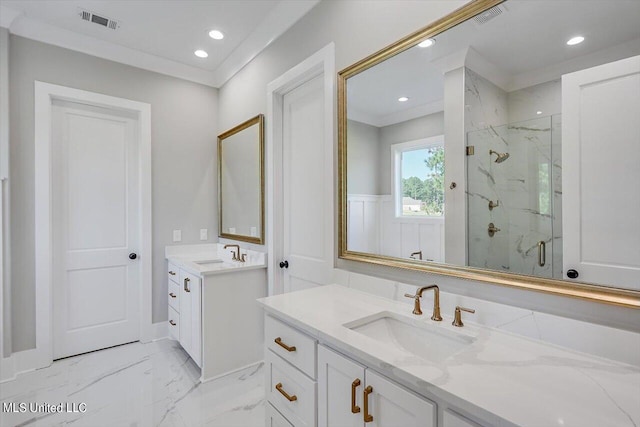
(241, 182)
(501, 143)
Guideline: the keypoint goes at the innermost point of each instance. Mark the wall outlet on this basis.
(204, 234)
(177, 235)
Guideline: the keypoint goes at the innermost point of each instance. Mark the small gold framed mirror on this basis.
(241, 182)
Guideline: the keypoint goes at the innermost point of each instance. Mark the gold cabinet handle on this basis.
(172, 295)
(283, 345)
(186, 284)
(172, 323)
(285, 394)
(367, 416)
(354, 408)
(173, 273)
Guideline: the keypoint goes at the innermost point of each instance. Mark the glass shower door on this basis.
(510, 198)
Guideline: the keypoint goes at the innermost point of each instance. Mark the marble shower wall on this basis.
(485, 110)
(526, 186)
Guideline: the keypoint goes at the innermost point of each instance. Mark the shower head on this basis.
(501, 156)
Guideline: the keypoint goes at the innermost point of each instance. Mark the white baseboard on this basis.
(29, 360)
(159, 331)
(19, 363)
(202, 380)
(7, 369)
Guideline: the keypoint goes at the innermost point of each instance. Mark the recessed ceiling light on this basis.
(538, 112)
(403, 99)
(427, 43)
(575, 40)
(216, 35)
(200, 53)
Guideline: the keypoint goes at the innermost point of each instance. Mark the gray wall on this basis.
(183, 131)
(5, 309)
(419, 128)
(369, 150)
(354, 27)
(358, 28)
(363, 153)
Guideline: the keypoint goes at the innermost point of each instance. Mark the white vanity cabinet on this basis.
(311, 385)
(351, 395)
(290, 359)
(191, 315)
(212, 307)
(185, 312)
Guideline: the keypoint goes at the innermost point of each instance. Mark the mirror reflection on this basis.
(492, 145)
(241, 182)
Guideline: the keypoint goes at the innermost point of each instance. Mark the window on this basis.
(419, 178)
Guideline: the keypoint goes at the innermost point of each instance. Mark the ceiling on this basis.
(523, 46)
(164, 32)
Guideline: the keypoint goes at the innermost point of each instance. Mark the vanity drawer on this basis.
(275, 418)
(292, 393)
(174, 296)
(282, 339)
(172, 272)
(174, 324)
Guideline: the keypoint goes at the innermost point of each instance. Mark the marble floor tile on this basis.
(153, 384)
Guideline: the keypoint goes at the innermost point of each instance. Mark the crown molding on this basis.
(7, 16)
(45, 33)
(397, 117)
(276, 23)
(282, 17)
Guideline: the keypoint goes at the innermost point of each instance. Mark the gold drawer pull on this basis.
(173, 273)
(367, 416)
(354, 408)
(172, 295)
(172, 323)
(285, 394)
(283, 345)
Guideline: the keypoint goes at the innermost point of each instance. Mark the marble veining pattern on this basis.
(153, 384)
(526, 124)
(501, 378)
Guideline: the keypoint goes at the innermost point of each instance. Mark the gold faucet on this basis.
(436, 301)
(236, 255)
(457, 316)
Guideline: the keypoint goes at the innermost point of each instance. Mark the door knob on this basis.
(133, 255)
(284, 264)
(572, 274)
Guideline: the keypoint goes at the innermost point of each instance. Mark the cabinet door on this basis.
(340, 381)
(391, 405)
(195, 351)
(600, 156)
(190, 315)
(275, 418)
(185, 311)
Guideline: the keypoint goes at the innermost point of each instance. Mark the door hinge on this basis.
(470, 150)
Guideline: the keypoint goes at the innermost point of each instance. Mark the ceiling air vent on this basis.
(489, 14)
(98, 19)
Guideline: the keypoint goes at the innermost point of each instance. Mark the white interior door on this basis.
(600, 173)
(307, 188)
(95, 201)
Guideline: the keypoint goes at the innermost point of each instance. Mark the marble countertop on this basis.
(188, 256)
(501, 378)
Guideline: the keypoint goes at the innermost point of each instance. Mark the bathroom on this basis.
(274, 264)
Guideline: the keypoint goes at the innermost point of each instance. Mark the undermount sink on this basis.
(208, 262)
(414, 336)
